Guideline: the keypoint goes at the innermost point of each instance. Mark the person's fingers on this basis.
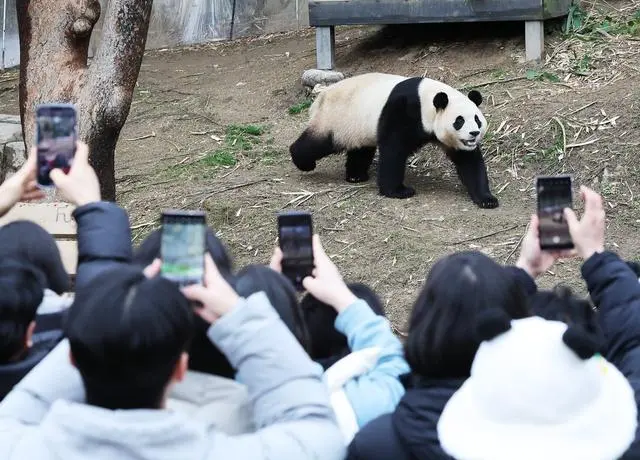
(153, 268)
(320, 257)
(276, 260)
(58, 177)
(195, 292)
(82, 154)
(592, 201)
(572, 220)
(205, 314)
(211, 273)
(33, 195)
(309, 283)
(29, 167)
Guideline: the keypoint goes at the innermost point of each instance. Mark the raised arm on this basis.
(379, 390)
(292, 413)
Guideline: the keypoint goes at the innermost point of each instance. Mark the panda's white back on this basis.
(350, 109)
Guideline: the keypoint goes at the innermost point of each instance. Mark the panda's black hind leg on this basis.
(472, 171)
(358, 164)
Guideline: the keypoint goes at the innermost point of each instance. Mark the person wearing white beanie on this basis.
(539, 390)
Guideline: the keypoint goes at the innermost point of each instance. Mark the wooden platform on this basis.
(325, 14)
(55, 218)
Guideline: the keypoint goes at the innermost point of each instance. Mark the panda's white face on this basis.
(459, 124)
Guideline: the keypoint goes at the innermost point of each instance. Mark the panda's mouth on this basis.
(469, 143)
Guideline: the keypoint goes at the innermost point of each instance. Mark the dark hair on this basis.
(442, 341)
(204, 356)
(149, 250)
(27, 241)
(281, 294)
(560, 304)
(328, 345)
(21, 292)
(127, 334)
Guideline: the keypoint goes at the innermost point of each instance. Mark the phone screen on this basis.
(183, 246)
(554, 194)
(56, 134)
(295, 232)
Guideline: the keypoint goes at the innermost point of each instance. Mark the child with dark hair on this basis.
(21, 346)
(440, 348)
(208, 392)
(354, 342)
(204, 357)
(328, 345)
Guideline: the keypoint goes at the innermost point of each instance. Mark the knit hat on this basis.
(538, 390)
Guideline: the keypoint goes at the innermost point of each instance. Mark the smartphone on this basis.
(56, 136)
(182, 246)
(554, 194)
(295, 232)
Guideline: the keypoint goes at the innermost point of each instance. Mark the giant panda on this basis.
(398, 115)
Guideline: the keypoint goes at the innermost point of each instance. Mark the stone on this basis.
(313, 77)
(10, 132)
(13, 119)
(14, 156)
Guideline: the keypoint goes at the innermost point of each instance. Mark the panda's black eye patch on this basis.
(479, 122)
(459, 123)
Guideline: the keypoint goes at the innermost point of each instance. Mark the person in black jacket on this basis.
(441, 344)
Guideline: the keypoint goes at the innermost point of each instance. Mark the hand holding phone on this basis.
(295, 231)
(554, 195)
(182, 246)
(56, 136)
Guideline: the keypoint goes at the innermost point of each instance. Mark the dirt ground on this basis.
(210, 127)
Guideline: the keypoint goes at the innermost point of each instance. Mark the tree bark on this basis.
(54, 67)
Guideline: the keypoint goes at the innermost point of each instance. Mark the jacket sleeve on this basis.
(292, 413)
(104, 239)
(615, 290)
(523, 279)
(53, 378)
(378, 391)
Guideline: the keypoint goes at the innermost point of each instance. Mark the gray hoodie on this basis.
(43, 419)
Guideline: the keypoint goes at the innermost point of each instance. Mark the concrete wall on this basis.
(179, 22)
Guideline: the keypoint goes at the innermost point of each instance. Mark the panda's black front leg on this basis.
(358, 163)
(472, 171)
(391, 167)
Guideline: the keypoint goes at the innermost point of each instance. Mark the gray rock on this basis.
(14, 156)
(313, 77)
(13, 119)
(10, 132)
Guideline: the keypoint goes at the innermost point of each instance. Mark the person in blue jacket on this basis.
(366, 382)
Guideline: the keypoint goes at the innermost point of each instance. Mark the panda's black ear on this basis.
(441, 101)
(491, 323)
(475, 97)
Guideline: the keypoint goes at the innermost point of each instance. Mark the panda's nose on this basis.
(474, 133)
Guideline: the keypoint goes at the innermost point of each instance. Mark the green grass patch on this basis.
(221, 157)
(539, 75)
(300, 107)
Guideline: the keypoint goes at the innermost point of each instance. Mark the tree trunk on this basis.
(54, 67)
